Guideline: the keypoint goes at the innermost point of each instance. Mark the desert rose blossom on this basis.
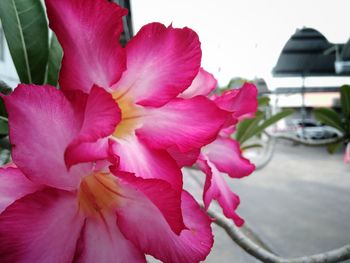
(224, 155)
(144, 78)
(91, 212)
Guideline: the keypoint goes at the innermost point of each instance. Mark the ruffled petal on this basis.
(192, 245)
(203, 84)
(42, 123)
(160, 193)
(241, 102)
(101, 116)
(89, 32)
(185, 123)
(216, 188)
(161, 63)
(101, 241)
(138, 158)
(226, 155)
(14, 185)
(41, 227)
(184, 159)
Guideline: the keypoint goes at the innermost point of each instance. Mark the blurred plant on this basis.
(338, 121)
(255, 127)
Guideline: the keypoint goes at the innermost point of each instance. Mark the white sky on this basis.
(245, 37)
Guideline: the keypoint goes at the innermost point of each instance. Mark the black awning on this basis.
(307, 53)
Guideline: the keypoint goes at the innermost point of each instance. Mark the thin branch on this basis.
(336, 255)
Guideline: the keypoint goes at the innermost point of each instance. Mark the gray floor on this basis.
(299, 204)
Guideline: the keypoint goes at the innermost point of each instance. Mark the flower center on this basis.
(130, 114)
(98, 192)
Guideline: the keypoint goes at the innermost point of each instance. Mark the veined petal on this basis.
(161, 194)
(40, 227)
(138, 158)
(100, 119)
(192, 245)
(42, 123)
(89, 32)
(87, 152)
(161, 63)
(184, 159)
(185, 123)
(14, 185)
(101, 241)
(216, 188)
(226, 155)
(203, 84)
(241, 102)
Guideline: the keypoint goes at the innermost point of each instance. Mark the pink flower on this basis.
(144, 78)
(223, 155)
(89, 213)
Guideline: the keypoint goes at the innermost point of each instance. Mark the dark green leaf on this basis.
(345, 100)
(272, 120)
(245, 129)
(255, 145)
(263, 101)
(4, 88)
(54, 63)
(26, 32)
(332, 148)
(4, 129)
(328, 117)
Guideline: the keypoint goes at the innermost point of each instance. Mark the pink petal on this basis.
(192, 245)
(216, 188)
(184, 159)
(101, 241)
(203, 84)
(241, 102)
(42, 124)
(89, 32)
(161, 63)
(161, 194)
(226, 155)
(100, 119)
(87, 152)
(41, 227)
(14, 185)
(138, 158)
(185, 123)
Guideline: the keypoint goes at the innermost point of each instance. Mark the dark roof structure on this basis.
(309, 53)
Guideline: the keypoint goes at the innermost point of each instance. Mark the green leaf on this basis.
(255, 145)
(332, 148)
(245, 128)
(54, 63)
(250, 128)
(26, 32)
(263, 101)
(329, 117)
(272, 120)
(6, 90)
(345, 100)
(4, 129)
